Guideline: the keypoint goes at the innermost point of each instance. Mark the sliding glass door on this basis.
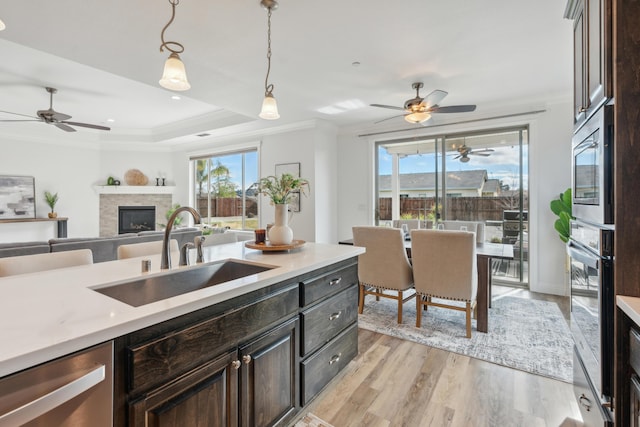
(480, 176)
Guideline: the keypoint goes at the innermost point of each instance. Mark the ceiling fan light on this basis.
(2, 26)
(464, 159)
(174, 76)
(417, 117)
(269, 108)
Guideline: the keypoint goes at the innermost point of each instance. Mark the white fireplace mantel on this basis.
(134, 189)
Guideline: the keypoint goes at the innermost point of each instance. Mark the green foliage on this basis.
(562, 208)
(406, 215)
(170, 212)
(279, 190)
(51, 199)
(221, 184)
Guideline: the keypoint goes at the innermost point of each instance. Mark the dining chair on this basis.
(475, 226)
(216, 239)
(147, 248)
(412, 224)
(22, 264)
(444, 267)
(384, 266)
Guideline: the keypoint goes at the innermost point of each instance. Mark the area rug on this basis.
(524, 334)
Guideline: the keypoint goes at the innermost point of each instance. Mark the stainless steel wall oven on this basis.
(592, 306)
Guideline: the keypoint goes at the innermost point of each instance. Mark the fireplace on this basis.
(133, 219)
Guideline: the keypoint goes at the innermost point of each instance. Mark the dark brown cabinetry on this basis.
(591, 56)
(239, 362)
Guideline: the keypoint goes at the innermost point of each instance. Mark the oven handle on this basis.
(581, 255)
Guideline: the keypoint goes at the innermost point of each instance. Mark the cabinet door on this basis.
(597, 71)
(268, 386)
(579, 96)
(206, 396)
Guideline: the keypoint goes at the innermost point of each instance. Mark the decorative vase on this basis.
(281, 233)
(53, 215)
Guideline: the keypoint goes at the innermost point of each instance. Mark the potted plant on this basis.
(280, 190)
(51, 200)
(562, 208)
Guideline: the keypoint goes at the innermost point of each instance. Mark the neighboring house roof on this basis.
(491, 186)
(460, 180)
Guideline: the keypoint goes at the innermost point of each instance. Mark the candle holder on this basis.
(163, 182)
(157, 182)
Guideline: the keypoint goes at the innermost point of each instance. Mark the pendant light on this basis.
(269, 106)
(2, 26)
(174, 76)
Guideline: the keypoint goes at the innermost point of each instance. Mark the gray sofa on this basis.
(102, 248)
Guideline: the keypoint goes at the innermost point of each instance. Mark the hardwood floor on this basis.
(393, 382)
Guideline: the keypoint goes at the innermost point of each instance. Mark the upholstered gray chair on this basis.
(412, 224)
(11, 266)
(384, 265)
(444, 266)
(475, 226)
(147, 248)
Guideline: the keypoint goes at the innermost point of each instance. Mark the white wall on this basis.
(549, 174)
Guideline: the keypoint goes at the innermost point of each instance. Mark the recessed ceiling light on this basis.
(175, 97)
(111, 120)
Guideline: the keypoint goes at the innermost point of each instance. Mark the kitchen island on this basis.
(47, 315)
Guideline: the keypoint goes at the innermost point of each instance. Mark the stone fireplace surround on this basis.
(109, 209)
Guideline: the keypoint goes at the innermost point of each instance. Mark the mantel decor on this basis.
(17, 197)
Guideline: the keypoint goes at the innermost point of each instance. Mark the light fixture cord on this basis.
(164, 44)
(268, 88)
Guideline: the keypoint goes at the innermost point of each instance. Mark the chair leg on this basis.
(378, 296)
(399, 307)
(468, 310)
(419, 304)
(360, 298)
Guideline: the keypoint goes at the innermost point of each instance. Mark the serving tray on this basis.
(268, 247)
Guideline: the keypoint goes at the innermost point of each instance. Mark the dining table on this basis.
(485, 252)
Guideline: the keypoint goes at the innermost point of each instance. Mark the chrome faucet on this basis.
(165, 262)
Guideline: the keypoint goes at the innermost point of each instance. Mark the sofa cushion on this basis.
(23, 248)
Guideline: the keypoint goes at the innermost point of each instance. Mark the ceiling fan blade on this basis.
(387, 106)
(474, 153)
(454, 109)
(434, 98)
(87, 125)
(18, 114)
(52, 115)
(389, 118)
(64, 127)
(21, 120)
(484, 150)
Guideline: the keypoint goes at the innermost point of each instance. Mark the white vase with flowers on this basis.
(280, 191)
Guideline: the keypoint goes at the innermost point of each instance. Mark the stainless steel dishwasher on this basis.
(75, 390)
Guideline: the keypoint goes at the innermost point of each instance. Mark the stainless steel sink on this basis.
(156, 288)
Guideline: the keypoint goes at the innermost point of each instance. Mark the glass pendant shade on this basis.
(269, 108)
(174, 76)
(417, 117)
(2, 26)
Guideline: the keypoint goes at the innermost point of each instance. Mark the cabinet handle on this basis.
(236, 364)
(334, 316)
(335, 281)
(246, 359)
(335, 358)
(584, 401)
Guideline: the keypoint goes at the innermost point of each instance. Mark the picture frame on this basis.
(293, 169)
(17, 197)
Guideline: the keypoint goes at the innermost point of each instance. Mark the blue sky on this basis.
(234, 163)
(502, 164)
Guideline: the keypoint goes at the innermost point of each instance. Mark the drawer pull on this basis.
(236, 364)
(335, 281)
(335, 358)
(584, 401)
(335, 316)
(246, 359)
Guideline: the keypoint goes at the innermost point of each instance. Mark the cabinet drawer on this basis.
(323, 366)
(323, 321)
(177, 352)
(634, 350)
(319, 287)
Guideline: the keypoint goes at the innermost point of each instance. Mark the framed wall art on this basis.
(17, 197)
(293, 169)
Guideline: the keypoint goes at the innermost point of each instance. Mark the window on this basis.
(476, 176)
(225, 189)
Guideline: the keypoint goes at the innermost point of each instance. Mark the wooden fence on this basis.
(460, 208)
(227, 206)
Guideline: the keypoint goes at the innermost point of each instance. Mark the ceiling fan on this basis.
(419, 110)
(52, 117)
(464, 152)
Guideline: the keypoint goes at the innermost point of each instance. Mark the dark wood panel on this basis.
(207, 396)
(323, 321)
(320, 368)
(268, 391)
(170, 355)
(315, 288)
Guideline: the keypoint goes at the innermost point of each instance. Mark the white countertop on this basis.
(49, 314)
(631, 307)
